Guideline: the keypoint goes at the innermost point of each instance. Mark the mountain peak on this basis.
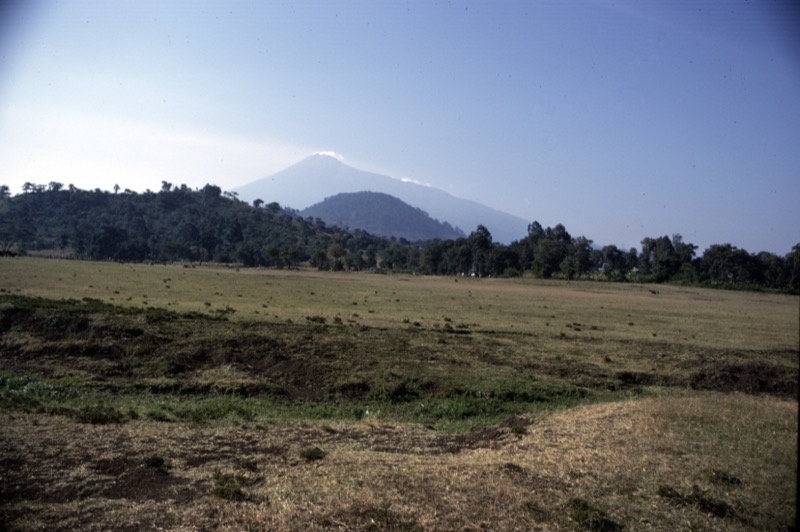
(324, 158)
(323, 175)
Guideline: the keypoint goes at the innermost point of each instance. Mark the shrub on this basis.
(99, 415)
(589, 517)
(156, 462)
(228, 487)
(249, 465)
(312, 454)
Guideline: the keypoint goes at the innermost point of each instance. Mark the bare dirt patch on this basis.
(747, 378)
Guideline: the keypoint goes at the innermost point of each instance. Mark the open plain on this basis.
(196, 398)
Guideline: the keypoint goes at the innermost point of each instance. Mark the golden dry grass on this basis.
(376, 476)
(616, 312)
(666, 460)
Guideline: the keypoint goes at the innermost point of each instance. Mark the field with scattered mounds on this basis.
(138, 397)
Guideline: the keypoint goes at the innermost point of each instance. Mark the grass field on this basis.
(145, 396)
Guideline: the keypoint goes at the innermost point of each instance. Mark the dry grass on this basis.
(373, 476)
(669, 457)
(700, 318)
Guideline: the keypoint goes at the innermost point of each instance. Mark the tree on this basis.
(614, 264)
(535, 232)
(659, 259)
(552, 247)
(480, 243)
(793, 269)
(773, 270)
(5, 192)
(505, 261)
(580, 258)
(684, 251)
(724, 263)
(547, 258)
(107, 243)
(432, 261)
(257, 203)
(211, 191)
(336, 253)
(8, 237)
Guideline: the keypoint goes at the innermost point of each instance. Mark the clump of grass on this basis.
(718, 476)
(312, 454)
(519, 430)
(514, 470)
(221, 312)
(155, 461)
(159, 415)
(377, 517)
(99, 415)
(698, 499)
(228, 487)
(249, 465)
(589, 517)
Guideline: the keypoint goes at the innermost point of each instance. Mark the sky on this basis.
(621, 119)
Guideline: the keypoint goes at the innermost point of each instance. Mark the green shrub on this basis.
(228, 487)
(99, 415)
(312, 454)
(159, 415)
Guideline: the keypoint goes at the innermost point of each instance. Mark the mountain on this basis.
(321, 176)
(380, 214)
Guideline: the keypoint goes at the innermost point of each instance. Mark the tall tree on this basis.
(480, 243)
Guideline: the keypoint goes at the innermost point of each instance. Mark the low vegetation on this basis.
(358, 401)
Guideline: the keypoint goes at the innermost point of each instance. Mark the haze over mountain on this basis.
(320, 176)
(382, 215)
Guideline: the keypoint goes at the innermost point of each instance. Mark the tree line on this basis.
(180, 224)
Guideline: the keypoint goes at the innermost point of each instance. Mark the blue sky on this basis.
(619, 119)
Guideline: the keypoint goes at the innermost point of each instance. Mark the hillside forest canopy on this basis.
(209, 225)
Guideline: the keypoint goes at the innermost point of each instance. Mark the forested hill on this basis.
(380, 214)
(178, 223)
(174, 224)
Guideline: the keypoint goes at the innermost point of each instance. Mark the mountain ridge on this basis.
(380, 214)
(320, 176)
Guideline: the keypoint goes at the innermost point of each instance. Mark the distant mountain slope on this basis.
(380, 214)
(320, 176)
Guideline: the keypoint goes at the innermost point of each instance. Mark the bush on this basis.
(228, 487)
(312, 454)
(589, 517)
(99, 415)
(156, 462)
